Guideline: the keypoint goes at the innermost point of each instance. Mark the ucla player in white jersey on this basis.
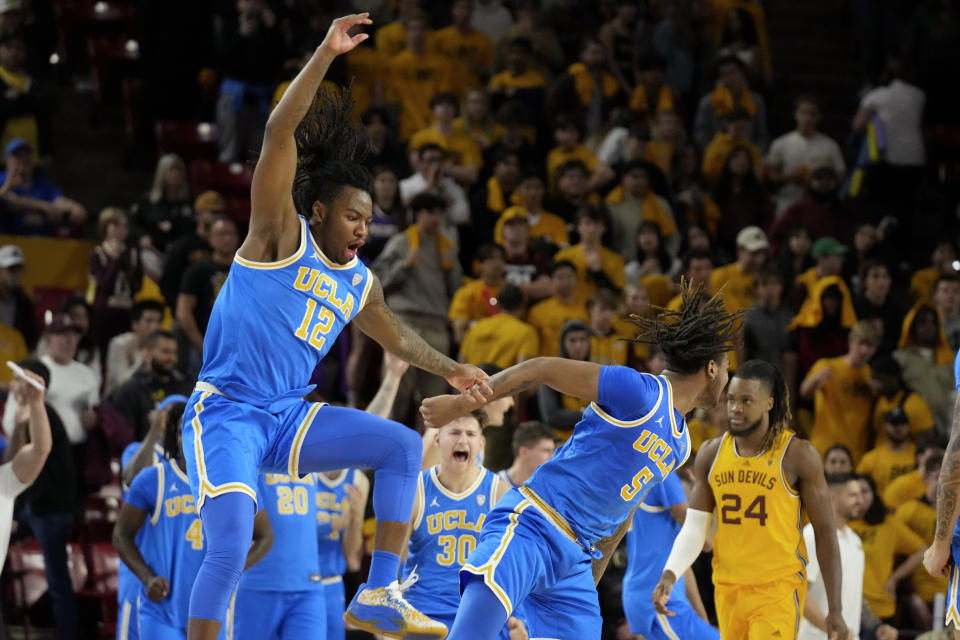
(295, 284)
(160, 538)
(547, 543)
(533, 444)
(453, 499)
(943, 556)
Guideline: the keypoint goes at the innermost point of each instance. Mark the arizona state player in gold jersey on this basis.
(759, 477)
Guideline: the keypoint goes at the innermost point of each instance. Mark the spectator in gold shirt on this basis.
(503, 339)
(894, 456)
(470, 49)
(478, 298)
(596, 265)
(842, 395)
(738, 276)
(463, 154)
(606, 345)
(415, 75)
(549, 317)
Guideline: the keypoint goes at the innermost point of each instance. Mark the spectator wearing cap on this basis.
(462, 153)
(542, 225)
(192, 247)
(115, 275)
(74, 387)
(431, 178)
(16, 307)
(877, 303)
(527, 262)
(156, 379)
(126, 351)
(886, 376)
(31, 204)
(820, 210)
(828, 255)
(731, 92)
(164, 213)
(27, 101)
(894, 456)
(597, 266)
(793, 155)
(738, 277)
(503, 339)
(49, 504)
(841, 394)
(420, 272)
(201, 285)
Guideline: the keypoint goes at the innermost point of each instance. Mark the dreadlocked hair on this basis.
(331, 147)
(171, 429)
(703, 330)
(772, 378)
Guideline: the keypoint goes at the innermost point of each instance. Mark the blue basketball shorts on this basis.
(284, 615)
(526, 555)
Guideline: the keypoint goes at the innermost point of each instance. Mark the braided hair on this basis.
(703, 330)
(772, 379)
(172, 430)
(331, 147)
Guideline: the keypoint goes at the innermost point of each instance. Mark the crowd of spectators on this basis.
(541, 171)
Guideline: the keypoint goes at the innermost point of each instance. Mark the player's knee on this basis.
(228, 529)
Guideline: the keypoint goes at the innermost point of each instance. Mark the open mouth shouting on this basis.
(461, 455)
(352, 249)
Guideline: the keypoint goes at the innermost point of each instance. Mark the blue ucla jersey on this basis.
(331, 504)
(273, 322)
(649, 542)
(293, 562)
(128, 585)
(626, 442)
(446, 527)
(172, 537)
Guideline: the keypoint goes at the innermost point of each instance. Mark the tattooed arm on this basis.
(948, 506)
(377, 321)
(570, 377)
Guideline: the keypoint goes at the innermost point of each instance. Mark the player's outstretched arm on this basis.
(271, 201)
(803, 459)
(377, 321)
(948, 505)
(689, 542)
(570, 377)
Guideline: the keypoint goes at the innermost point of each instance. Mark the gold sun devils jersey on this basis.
(759, 535)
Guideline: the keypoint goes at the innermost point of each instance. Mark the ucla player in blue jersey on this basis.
(547, 543)
(295, 283)
(453, 499)
(654, 526)
(159, 537)
(533, 444)
(341, 502)
(281, 596)
(943, 557)
(136, 457)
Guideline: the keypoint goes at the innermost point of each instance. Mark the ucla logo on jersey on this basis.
(356, 279)
(453, 520)
(325, 288)
(481, 499)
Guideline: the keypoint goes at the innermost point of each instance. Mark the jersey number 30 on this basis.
(455, 549)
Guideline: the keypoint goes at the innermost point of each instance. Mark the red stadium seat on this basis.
(111, 59)
(25, 563)
(231, 179)
(101, 587)
(189, 140)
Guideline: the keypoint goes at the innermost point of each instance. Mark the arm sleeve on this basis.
(813, 565)
(689, 542)
(627, 394)
(143, 490)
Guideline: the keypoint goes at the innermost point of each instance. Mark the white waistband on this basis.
(206, 387)
(333, 580)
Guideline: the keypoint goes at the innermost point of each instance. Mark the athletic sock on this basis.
(383, 569)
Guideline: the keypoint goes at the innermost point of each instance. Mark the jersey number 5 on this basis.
(730, 506)
(325, 320)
